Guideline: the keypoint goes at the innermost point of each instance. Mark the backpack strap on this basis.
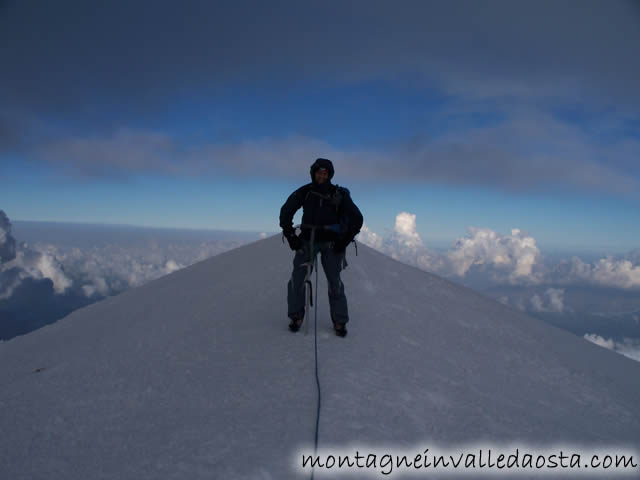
(335, 198)
(338, 196)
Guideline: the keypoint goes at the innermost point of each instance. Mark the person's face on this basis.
(321, 176)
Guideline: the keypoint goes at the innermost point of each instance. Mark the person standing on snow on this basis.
(323, 204)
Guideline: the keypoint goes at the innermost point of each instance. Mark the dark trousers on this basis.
(332, 264)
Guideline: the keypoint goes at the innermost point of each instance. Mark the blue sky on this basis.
(211, 123)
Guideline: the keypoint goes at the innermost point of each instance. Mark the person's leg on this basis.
(295, 286)
(332, 265)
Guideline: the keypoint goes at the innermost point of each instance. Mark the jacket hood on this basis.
(321, 163)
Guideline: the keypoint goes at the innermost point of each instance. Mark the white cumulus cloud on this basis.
(369, 238)
(405, 230)
(404, 242)
(171, 266)
(7, 242)
(20, 262)
(551, 301)
(608, 271)
(629, 347)
(511, 258)
(513, 255)
(617, 273)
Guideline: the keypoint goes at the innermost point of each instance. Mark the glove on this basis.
(295, 242)
(340, 245)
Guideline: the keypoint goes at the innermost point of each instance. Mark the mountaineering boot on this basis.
(340, 328)
(295, 323)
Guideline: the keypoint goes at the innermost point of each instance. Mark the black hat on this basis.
(322, 163)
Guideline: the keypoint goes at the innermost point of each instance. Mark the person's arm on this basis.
(353, 216)
(289, 209)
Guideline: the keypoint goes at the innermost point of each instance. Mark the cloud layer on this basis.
(610, 271)
(41, 282)
(17, 264)
(510, 258)
(508, 121)
(507, 155)
(540, 49)
(486, 259)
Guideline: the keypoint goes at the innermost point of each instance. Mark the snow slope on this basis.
(195, 375)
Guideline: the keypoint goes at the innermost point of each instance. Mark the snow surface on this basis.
(195, 375)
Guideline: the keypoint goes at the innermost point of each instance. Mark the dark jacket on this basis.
(323, 204)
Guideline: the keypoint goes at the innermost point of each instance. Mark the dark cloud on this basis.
(60, 55)
(529, 151)
(98, 65)
(7, 242)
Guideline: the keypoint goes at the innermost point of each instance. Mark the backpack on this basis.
(338, 196)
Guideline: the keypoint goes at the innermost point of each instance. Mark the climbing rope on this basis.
(315, 341)
(314, 262)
